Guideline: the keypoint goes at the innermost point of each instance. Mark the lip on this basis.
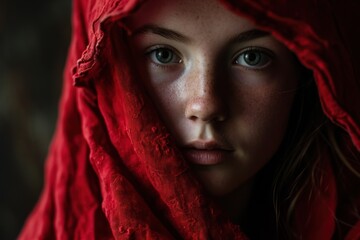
(206, 157)
(207, 152)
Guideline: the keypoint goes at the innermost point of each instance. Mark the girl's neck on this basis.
(235, 204)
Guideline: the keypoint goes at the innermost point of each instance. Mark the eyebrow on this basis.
(249, 35)
(164, 32)
(173, 35)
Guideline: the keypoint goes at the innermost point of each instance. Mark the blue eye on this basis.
(253, 58)
(163, 55)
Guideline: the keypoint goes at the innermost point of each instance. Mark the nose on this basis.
(205, 99)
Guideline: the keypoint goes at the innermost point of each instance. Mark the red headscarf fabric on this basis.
(113, 171)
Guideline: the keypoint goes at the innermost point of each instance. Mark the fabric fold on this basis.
(114, 171)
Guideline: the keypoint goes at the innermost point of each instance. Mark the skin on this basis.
(206, 91)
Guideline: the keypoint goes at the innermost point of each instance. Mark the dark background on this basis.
(34, 38)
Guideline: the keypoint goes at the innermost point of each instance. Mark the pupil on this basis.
(252, 58)
(164, 56)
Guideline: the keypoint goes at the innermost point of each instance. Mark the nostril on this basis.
(206, 110)
(193, 118)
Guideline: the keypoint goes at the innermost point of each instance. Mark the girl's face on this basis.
(223, 88)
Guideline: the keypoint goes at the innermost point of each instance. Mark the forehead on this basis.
(189, 16)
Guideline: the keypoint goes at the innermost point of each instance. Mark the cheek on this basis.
(261, 122)
(169, 104)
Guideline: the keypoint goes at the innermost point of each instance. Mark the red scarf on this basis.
(113, 170)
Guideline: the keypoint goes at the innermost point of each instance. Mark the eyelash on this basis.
(266, 55)
(153, 50)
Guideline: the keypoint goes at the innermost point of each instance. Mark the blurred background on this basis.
(34, 38)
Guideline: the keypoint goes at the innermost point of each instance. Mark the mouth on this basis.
(207, 153)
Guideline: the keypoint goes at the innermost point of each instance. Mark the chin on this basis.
(218, 183)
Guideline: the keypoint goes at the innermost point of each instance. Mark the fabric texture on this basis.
(114, 172)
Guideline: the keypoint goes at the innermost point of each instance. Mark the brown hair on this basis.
(298, 173)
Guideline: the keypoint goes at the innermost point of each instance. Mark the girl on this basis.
(205, 120)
